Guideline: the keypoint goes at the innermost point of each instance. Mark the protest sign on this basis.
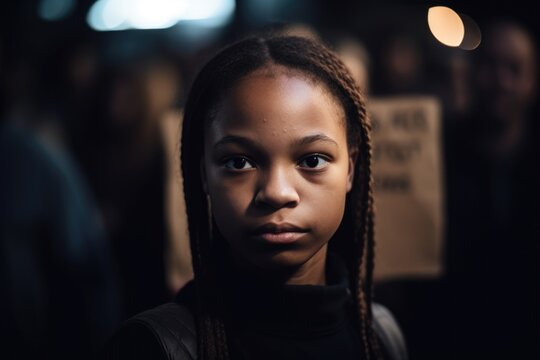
(408, 186)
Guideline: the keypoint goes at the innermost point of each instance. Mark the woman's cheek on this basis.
(330, 204)
(229, 198)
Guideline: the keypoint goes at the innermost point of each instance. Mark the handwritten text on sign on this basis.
(408, 186)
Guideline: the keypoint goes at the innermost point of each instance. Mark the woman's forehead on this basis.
(289, 75)
(281, 107)
(278, 93)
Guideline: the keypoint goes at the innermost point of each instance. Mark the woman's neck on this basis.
(312, 272)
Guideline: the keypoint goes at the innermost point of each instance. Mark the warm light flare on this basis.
(446, 25)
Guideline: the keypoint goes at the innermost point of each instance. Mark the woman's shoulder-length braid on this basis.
(354, 238)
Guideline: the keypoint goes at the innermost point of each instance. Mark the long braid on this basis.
(366, 214)
(210, 331)
(317, 62)
(360, 210)
(366, 217)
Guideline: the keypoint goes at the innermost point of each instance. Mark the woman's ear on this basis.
(353, 155)
(202, 172)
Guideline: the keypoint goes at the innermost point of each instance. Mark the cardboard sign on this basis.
(408, 191)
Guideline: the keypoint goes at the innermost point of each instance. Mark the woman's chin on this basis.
(282, 262)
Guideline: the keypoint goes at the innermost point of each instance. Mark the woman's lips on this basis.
(283, 233)
(281, 238)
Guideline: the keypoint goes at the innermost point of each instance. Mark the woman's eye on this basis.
(313, 162)
(238, 163)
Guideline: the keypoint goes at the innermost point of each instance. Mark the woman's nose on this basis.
(276, 190)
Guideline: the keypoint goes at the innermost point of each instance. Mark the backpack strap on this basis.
(173, 327)
(389, 333)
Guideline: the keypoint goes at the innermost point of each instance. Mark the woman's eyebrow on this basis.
(306, 140)
(254, 145)
(238, 140)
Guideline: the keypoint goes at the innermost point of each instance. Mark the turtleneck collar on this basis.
(288, 310)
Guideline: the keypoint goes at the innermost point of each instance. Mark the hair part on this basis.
(353, 240)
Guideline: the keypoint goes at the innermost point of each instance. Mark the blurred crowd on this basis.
(92, 220)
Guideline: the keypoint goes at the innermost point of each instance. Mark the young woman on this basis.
(276, 160)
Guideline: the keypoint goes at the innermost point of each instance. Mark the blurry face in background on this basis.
(506, 73)
(355, 57)
(141, 94)
(277, 169)
(402, 61)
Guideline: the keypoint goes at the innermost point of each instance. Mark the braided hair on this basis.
(353, 240)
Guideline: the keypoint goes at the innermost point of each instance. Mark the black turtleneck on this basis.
(267, 321)
(271, 321)
(293, 321)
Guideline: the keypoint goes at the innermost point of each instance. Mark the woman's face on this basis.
(277, 169)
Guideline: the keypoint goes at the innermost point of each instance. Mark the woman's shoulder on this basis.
(389, 333)
(164, 332)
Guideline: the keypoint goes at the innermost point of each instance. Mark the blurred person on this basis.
(58, 285)
(68, 78)
(121, 148)
(400, 66)
(356, 57)
(505, 89)
(493, 202)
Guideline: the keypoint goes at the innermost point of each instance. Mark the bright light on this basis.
(199, 10)
(107, 15)
(113, 15)
(53, 10)
(446, 25)
(155, 14)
